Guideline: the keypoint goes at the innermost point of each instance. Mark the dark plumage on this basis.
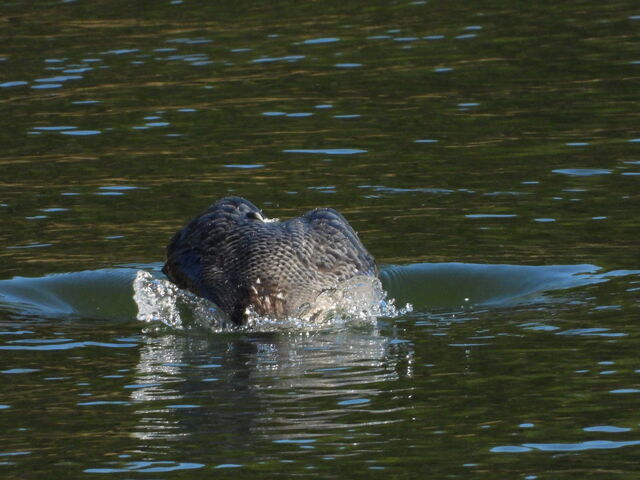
(233, 256)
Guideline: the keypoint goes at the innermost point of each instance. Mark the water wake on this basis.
(140, 291)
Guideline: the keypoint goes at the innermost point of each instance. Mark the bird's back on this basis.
(233, 256)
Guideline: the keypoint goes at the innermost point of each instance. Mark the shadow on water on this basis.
(108, 293)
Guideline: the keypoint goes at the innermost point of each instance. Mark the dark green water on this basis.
(487, 152)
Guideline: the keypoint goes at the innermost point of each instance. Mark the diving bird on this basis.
(234, 256)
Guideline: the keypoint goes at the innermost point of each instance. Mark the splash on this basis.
(358, 301)
(161, 301)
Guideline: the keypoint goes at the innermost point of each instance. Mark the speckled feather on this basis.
(231, 255)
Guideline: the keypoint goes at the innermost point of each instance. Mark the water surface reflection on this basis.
(289, 385)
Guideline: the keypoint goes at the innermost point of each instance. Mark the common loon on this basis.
(242, 261)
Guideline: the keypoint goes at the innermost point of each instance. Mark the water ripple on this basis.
(606, 429)
(565, 447)
(582, 172)
(13, 84)
(314, 41)
(68, 346)
(46, 86)
(81, 133)
(60, 78)
(288, 58)
(148, 467)
(575, 447)
(327, 151)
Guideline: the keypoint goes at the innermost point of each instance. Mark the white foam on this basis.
(159, 300)
(360, 300)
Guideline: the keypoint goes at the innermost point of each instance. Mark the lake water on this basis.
(488, 153)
